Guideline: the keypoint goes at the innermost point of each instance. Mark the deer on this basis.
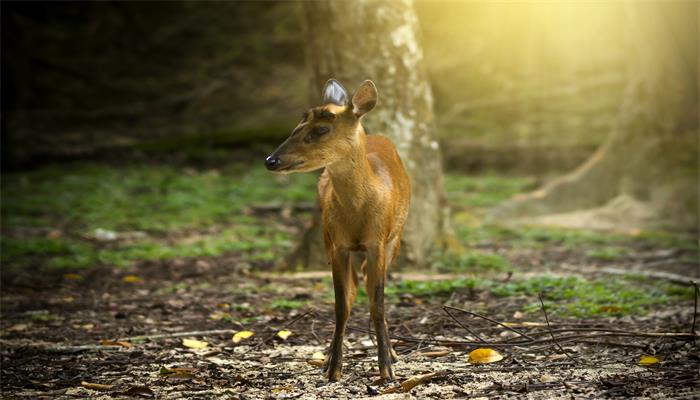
(364, 195)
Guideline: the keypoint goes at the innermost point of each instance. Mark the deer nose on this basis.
(272, 163)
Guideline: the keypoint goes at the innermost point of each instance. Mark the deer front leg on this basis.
(376, 276)
(345, 286)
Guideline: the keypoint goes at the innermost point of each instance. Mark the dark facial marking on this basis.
(324, 115)
(316, 133)
(304, 116)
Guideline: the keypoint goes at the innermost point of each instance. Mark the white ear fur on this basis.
(334, 93)
(364, 99)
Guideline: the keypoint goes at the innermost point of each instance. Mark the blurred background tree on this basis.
(518, 88)
(645, 175)
(378, 40)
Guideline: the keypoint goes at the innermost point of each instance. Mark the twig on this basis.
(546, 318)
(488, 319)
(446, 309)
(695, 307)
(177, 334)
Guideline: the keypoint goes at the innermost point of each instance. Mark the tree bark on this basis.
(651, 159)
(352, 41)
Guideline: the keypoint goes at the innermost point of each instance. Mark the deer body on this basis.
(364, 194)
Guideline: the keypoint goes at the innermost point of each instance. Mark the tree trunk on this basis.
(353, 41)
(646, 175)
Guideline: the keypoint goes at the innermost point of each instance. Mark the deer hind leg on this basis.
(345, 287)
(376, 276)
(392, 249)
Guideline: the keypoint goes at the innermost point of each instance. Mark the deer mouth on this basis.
(291, 166)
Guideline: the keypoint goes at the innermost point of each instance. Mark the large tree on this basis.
(646, 175)
(352, 41)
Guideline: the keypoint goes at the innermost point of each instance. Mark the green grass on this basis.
(477, 192)
(75, 200)
(581, 297)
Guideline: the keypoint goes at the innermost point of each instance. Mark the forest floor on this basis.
(131, 281)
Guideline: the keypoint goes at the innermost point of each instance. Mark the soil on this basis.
(53, 333)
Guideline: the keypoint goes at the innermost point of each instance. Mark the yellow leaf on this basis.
(284, 334)
(648, 360)
(88, 327)
(72, 277)
(242, 335)
(317, 359)
(194, 344)
(320, 287)
(484, 355)
(131, 279)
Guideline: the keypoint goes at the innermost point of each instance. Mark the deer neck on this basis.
(351, 176)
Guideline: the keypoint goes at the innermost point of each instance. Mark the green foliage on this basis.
(286, 304)
(581, 297)
(158, 200)
(476, 192)
(430, 288)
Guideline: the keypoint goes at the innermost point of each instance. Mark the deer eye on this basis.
(322, 130)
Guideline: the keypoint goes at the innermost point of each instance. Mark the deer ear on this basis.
(364, 99)
(334, 93)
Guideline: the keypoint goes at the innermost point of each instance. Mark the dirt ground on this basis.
(59, 341)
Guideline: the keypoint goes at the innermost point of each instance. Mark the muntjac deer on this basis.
(364, 194)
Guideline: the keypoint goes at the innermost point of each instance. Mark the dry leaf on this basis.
(72, 277)
(106, 342)
(88, 327)
(194, 344)
(484, 356)
(284, 334)
(242, 335)
(411, 382)
(317, 359)
(95, 386)
(648, 360)
(131, 279)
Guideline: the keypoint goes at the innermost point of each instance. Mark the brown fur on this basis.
(364, 194)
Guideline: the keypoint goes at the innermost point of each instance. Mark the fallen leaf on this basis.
(95, 386)
(432, 354)
(410, 383)
(72, 277)
(242, 335)
(648, 360)
(88, 327)
(194, 344)
(140, 391)
(106, 342)
(284, 334)
(610, 309)
(518, 315)
(223, 306)
(484, 356)
(131, 279)
(317, 359)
